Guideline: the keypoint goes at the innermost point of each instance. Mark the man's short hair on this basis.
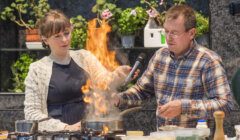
(182, 10)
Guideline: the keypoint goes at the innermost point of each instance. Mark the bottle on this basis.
(201, 124)
(219, 133)
(202, 130)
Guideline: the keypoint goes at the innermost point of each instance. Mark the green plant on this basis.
(102, 6)
(79, 33)
(19, 70)
(131, 20)
(202, 24)
(25, 12)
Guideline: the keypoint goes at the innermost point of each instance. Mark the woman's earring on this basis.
(45, 45)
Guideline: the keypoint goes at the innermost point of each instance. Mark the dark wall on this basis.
(225, 34)
(11, 109)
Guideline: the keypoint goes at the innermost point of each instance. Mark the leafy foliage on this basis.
(202, 24)
(19, 70)
(131, 20)
(25, 12)
(79, 33)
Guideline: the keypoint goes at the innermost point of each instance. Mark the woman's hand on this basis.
(136, 73)
(120, 74)
(123, 71)
(73, 127)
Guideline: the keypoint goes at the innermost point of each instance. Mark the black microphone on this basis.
(139, 60)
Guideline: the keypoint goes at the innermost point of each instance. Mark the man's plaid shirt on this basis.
(197, 78)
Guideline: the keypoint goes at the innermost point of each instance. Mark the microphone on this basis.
(139, 60)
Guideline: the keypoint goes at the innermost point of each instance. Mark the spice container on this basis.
(219, 132)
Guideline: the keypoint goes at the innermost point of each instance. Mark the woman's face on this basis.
(59, 43)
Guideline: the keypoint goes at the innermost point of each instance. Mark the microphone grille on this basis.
(141, 56)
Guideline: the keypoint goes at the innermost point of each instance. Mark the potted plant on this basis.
(156, 10)
(19, 70)
(154, 35)
(25, 13)
(79, 32)
(129, 22)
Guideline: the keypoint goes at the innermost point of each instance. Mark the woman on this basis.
(53, 84)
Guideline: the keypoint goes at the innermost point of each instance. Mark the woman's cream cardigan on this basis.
(37, 83)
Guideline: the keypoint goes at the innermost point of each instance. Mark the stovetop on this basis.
(85, 135)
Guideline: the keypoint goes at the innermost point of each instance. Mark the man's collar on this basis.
(187, 53)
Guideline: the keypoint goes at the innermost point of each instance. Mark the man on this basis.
(188, 80)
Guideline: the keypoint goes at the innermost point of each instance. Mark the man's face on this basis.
(178, 39)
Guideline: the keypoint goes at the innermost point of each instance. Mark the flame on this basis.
(97, 44)
(86, 88)
(102, 86)
(105, 130)
(87, 99)
(100, 106)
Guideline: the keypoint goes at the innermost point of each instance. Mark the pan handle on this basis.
(130, 110)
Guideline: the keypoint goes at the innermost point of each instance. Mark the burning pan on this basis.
(113, 124)
(98, 125)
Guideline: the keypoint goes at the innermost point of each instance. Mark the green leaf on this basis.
(95, 8)
(100, 2)
(13, 5)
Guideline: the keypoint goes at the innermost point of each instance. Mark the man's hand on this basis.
(115, 99)
(74, 127)
(170, 109)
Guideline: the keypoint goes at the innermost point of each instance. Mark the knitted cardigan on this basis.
(37, 84)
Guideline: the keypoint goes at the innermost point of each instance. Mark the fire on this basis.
(100, 105)
(86, 87)
(97, 44)
(105, 130)
(87, 99)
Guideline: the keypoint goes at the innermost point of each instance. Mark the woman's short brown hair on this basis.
(186, 11)
(52, 23)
